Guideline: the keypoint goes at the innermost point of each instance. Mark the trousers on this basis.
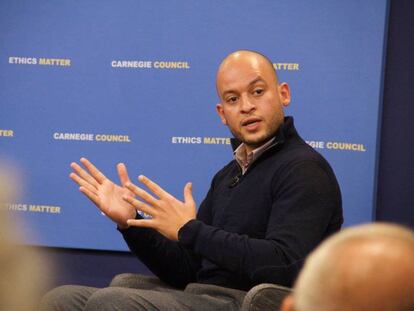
(146, 296)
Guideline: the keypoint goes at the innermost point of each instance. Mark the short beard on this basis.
(255, 143)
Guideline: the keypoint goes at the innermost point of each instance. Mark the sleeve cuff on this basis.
(124, 230)
(187, 235)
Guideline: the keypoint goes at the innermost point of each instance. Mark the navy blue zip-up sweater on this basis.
(258, 229)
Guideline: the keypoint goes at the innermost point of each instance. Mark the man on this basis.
(265, 211)
(369, 267)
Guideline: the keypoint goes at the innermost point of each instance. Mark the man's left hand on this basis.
(168, 213)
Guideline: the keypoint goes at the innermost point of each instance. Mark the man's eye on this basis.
(232, 99)
(258, 91)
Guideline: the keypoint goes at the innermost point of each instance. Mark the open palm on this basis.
(104, 193)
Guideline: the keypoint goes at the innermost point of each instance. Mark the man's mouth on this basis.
(251, 123)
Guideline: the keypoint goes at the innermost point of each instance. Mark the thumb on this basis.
(188, 193)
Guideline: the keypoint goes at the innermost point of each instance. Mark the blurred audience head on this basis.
(21, 268)
(366, 267)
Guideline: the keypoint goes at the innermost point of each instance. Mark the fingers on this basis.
(144, 223)
(97, 174)
(123, 174)
(161, 193)
(142, 194)
(188, 193)
(84, 175)
(83, 183)
(140, 205)
(91, 196)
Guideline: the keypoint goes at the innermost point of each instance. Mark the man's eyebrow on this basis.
(254, 81)
(227, 92)
(258, 79)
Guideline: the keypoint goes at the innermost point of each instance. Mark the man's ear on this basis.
(287, 304)
(220, 111)
(284, 92)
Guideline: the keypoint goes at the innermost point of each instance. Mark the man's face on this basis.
(251, 101)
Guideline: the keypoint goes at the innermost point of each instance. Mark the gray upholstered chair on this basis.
(263, 297)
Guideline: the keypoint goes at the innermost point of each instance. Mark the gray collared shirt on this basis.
(245, 160)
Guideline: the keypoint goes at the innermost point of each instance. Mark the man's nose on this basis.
(246, 104)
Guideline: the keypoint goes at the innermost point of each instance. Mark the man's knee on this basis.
(117, 299)
(67, 297)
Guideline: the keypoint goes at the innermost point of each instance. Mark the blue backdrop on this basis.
(75, 74)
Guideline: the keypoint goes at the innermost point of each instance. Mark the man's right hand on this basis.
(105, 194)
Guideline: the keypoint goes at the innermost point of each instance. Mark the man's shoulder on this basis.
(299, 150)
(294, 148)
(291, 148)
(296, 153)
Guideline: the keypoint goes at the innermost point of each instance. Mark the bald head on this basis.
(240, 58)
(252, 101)
(369, 267)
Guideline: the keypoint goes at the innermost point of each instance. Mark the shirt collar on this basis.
(285, 130)
(246, 159)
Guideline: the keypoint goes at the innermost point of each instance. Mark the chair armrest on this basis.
(264, 297)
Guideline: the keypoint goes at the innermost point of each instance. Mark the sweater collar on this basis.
(286, 130)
